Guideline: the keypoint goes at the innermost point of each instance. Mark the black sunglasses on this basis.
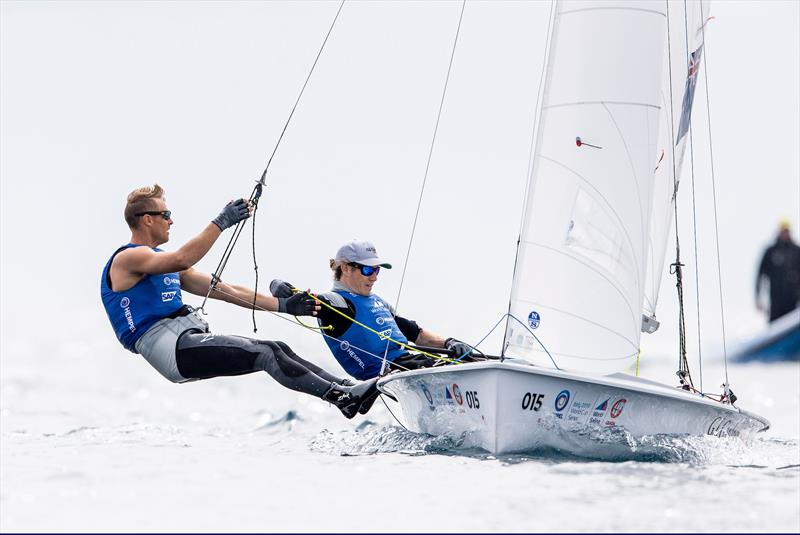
(166, 214)
(366, 270)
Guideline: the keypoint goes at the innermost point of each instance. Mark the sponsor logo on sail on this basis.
(603, 406)
(534, 319)
(616, 408)
(561, 400)
(380, 320)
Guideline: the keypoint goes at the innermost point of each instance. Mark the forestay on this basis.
(579, 276)
(684, 49)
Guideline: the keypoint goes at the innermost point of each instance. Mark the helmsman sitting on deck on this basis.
(141, 289)
(360, 351)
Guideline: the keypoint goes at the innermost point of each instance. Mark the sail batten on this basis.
(601, 102)
(579, 277)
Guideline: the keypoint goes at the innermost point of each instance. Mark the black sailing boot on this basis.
(349, 399)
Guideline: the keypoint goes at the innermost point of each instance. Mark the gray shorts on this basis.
(158, 344)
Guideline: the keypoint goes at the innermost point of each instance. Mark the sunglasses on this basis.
(366, 270)
(166, 214)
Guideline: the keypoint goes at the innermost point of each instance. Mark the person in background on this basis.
(141, 288)
(780, 268)
(360, 351)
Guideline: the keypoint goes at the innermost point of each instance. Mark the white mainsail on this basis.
(684, 53)
(579, 278)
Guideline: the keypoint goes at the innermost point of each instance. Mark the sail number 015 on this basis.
(532, 401)
(472, 399)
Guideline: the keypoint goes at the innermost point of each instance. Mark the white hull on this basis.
(511, 407)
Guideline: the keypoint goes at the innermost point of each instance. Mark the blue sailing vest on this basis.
(352, 349)
(136, 309)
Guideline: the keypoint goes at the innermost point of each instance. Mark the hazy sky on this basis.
(97, 98)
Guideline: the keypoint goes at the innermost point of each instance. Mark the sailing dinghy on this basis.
(612, 129)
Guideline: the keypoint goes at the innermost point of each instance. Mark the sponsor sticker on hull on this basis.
(428, 395)
(457, 394)
(561, 401)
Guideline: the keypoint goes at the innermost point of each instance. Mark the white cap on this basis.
(361, 252)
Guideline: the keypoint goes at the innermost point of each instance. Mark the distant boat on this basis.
(780, 341)
(609, 149)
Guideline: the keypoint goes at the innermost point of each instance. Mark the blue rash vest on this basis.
(138, 308)
(350, 349)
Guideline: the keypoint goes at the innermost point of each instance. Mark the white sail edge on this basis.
(579, 278)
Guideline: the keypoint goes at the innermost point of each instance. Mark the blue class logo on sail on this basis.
(534, 319)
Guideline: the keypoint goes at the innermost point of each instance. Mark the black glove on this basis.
(458, 347)
(300, 304)
(279, 288)
(233, 212)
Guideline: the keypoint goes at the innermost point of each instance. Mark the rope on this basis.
(286, 125)
(430, 155)
(535, 338)
(683, 368)
(387, 338)
(256, 194)
(296, 321)
(714, 195)
(255, 270)
(237, 230)
(694, 207)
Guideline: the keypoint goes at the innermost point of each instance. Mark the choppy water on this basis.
(101, 443)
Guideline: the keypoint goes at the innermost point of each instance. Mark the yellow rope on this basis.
(381, 336)
(312, 328)
(639, 354)
(330, 327)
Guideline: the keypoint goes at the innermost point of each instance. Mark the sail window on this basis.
(593, 234)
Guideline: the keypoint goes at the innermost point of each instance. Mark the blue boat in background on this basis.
(779, 342)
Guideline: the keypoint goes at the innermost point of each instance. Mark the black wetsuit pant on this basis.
(202, 355)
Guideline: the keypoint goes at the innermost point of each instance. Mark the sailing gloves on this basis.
(233, 212)
(460, 349)
(300, 304)
(296, 304)
(279, 288)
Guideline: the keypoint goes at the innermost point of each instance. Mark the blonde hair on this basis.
(141, 200)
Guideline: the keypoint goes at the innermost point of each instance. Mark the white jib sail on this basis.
(685, 49)
(579, 276)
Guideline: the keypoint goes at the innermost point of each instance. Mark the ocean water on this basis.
(94, 440)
